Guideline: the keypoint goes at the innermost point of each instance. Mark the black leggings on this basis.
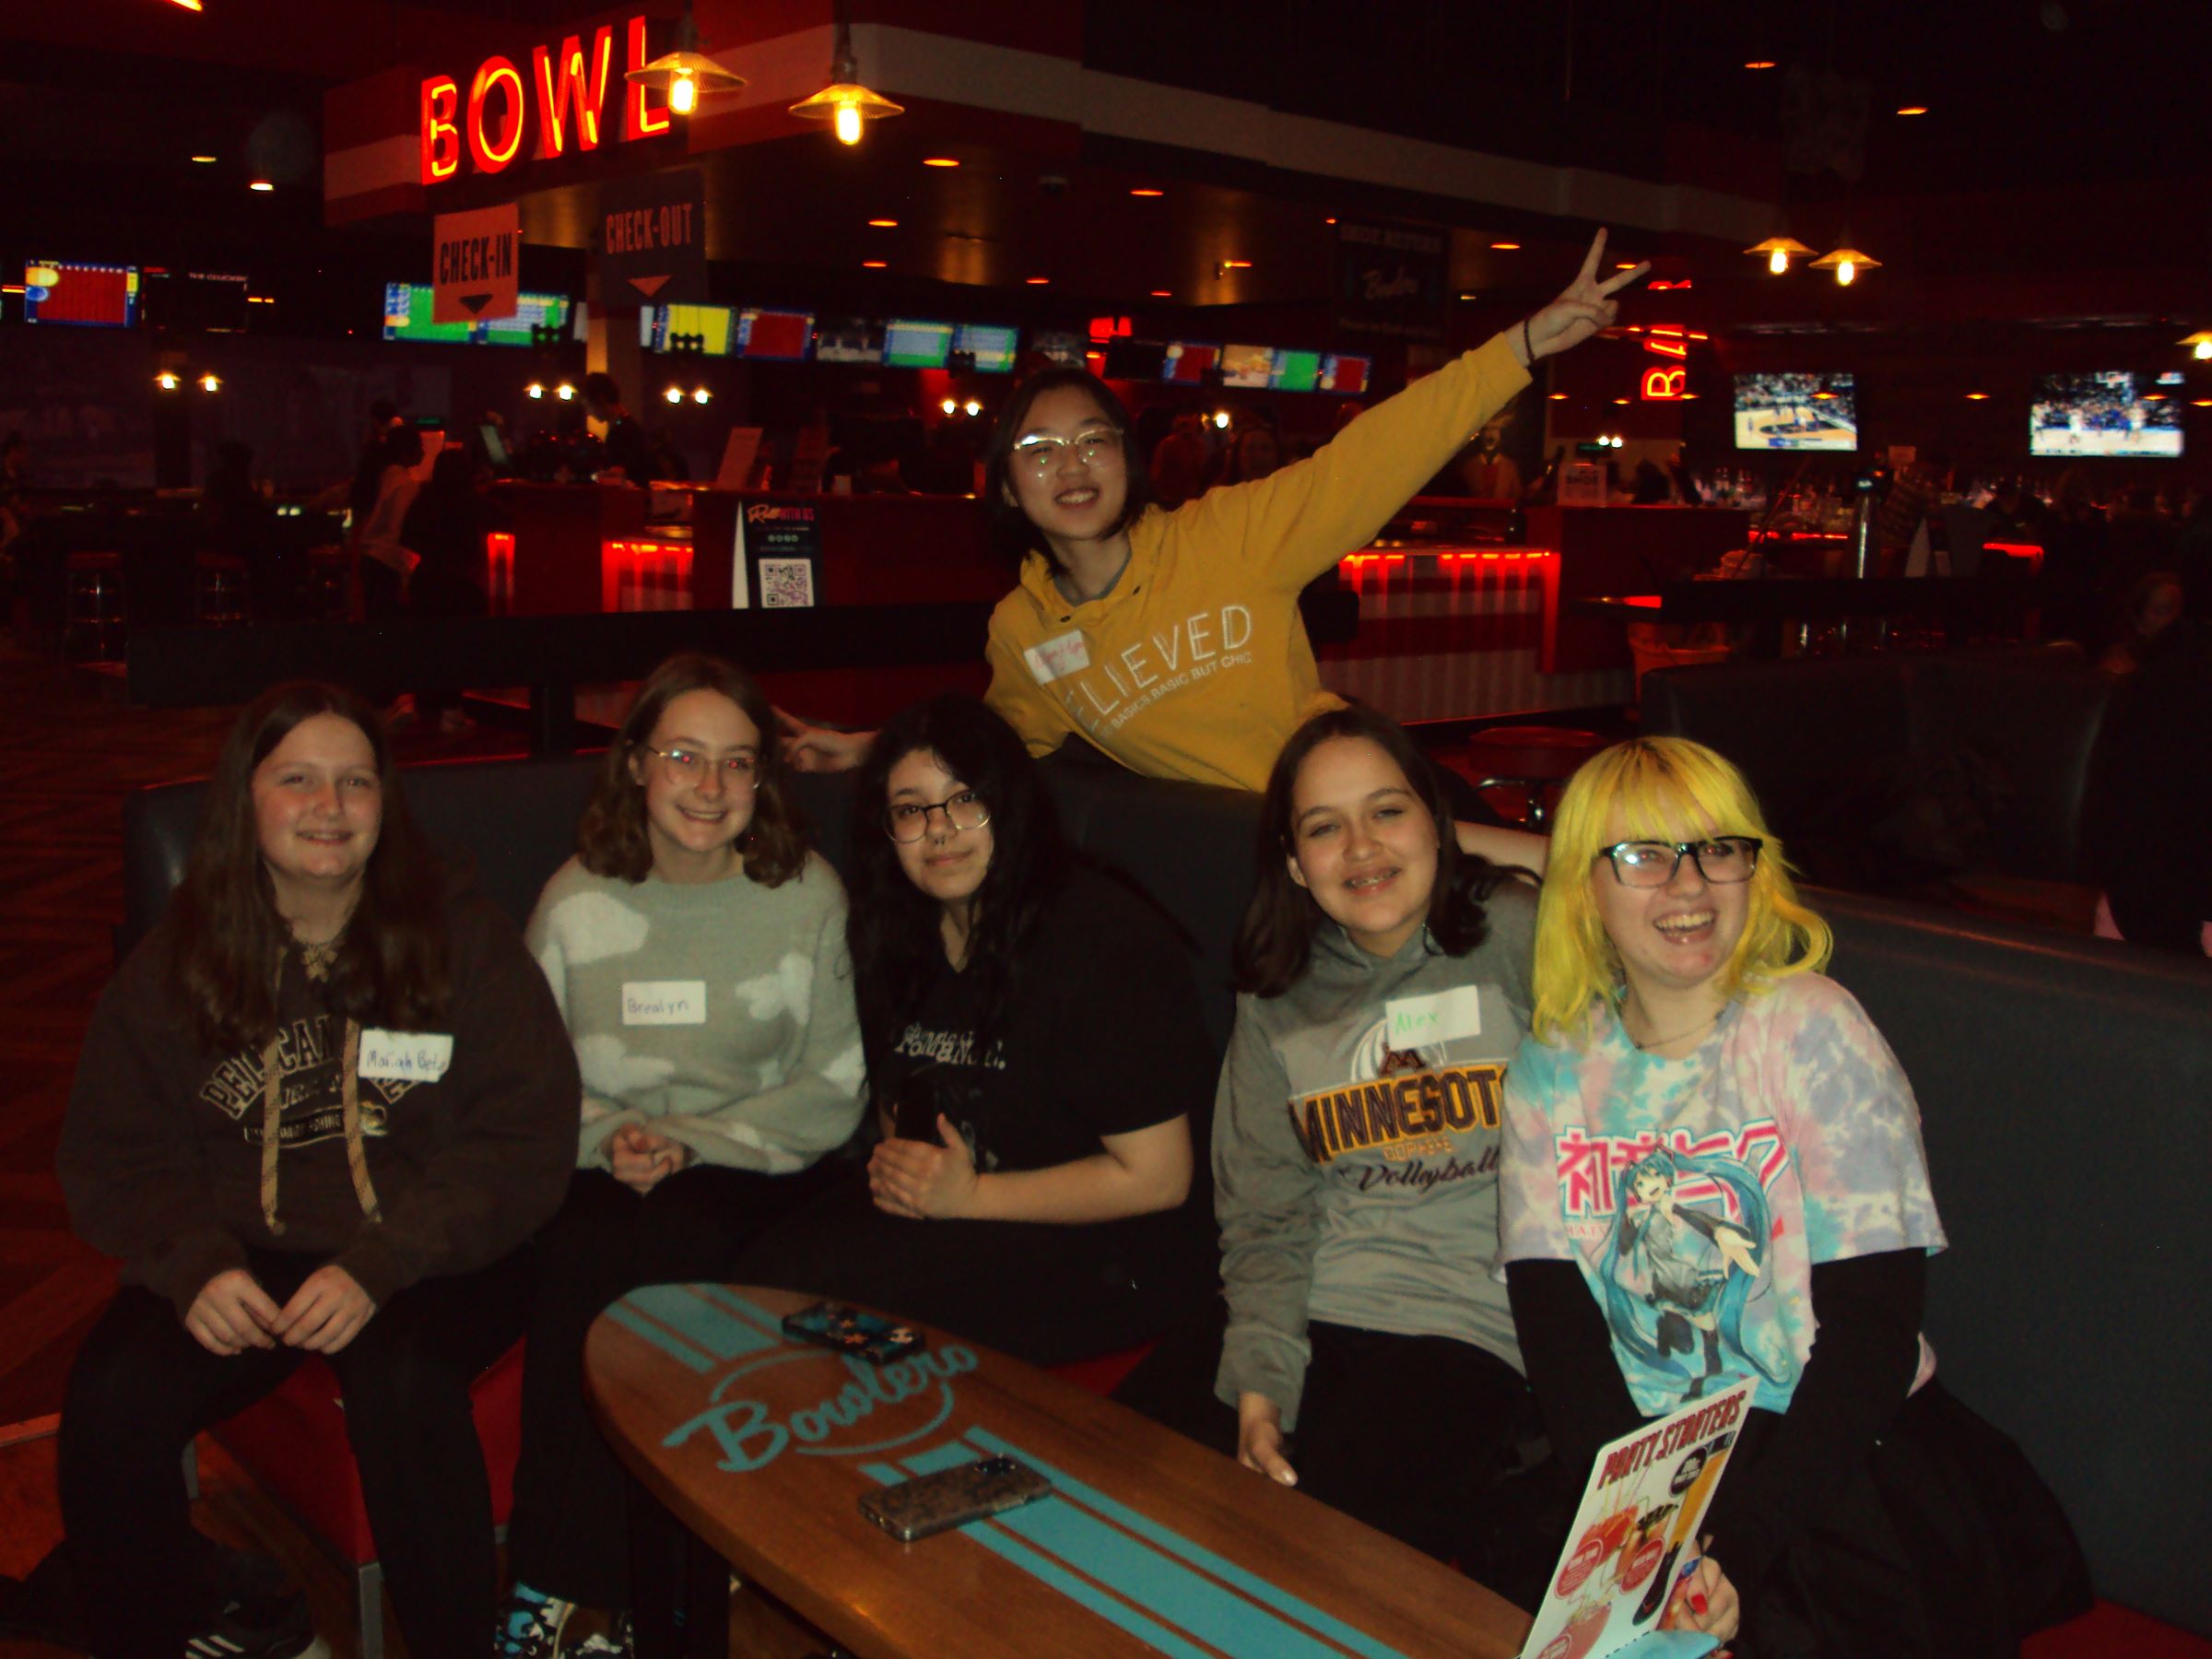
(143, 1386)
(569, 1534)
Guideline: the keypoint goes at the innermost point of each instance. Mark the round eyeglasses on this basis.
(1039, 455)
(908, 821)
(741, 771)
(1724, 859)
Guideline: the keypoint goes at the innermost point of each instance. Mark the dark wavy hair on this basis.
(892, 930)
(1276, 939)
(611, 837)
(225, 937)
(1013, 537)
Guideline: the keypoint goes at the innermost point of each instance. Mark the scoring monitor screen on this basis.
(994, 350)
(909, 344)
(1188, 361)
(84, 296)
(1345, 374)
(779, 335)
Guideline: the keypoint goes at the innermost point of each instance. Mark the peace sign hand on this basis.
(1586, 306)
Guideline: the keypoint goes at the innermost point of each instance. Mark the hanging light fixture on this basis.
(1779, 251)
(2200, 343)
(1846, 262)
(844, 102)
(685, 75)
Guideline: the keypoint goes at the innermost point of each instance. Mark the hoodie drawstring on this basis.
(271, 1113)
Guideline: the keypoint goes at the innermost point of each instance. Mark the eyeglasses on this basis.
(739, 771)
(1724, 860)
(907, 823)
(1039, 455)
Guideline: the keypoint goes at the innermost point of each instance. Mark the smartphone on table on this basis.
(954, 1496)
(840, 1325)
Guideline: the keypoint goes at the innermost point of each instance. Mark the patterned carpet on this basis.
(70, 750)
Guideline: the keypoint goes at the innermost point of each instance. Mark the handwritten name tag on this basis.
(1066, 654)
(1441, 1016)
(405, 1056)
(664, 1002)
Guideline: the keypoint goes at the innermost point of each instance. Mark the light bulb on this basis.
(533, 390)
(566, 393)
(973, 408)
(1846, 272)
(2204, 351)
(848, 124)
(948, 407)
(1221, 420)
(675, 395)
(682, 95)
(166, 380)
(1778, 262)
(701, 395)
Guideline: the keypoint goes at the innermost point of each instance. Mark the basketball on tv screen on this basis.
(2103, 414)
(1796, 412)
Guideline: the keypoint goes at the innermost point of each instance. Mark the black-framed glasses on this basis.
(738, 771)
(908, 821)
(1722, 860)
(1040, 454)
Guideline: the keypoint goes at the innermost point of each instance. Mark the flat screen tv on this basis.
(531, 311)
(1058, 346)
(848, 340)
(700, 329)
(209, 301)
(1295, 371)
(994, 348)
(1345, 374)
(84, 296)
(1187, 362)
(780, 336)
(1777, 411)
(1247, 366)
(2103, 414)
(909, 344)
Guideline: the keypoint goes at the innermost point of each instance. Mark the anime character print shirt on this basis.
(1696, 1194)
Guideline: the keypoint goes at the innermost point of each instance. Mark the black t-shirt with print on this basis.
(1102, 1036)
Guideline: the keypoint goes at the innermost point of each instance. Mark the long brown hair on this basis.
(226, 936)
(1275, 940)
(611, 839)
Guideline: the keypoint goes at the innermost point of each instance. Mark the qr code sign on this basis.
(786, 583)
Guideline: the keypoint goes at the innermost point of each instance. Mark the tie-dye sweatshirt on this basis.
(720, 1016)
(1697, 1193)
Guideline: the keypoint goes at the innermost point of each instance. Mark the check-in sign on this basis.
(474, 264)
(652, 239)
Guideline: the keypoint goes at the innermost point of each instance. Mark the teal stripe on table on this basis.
(683, 1311)
(1116, 1612)
(728, 1298)
(1175, 1543)
(667, 1341)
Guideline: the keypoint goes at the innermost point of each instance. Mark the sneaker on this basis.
(259, 1628)
(532, 1627)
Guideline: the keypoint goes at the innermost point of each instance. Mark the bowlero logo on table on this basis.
(566, 85)
(867, 1410)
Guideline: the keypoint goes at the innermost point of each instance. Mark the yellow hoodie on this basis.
(1195, 664)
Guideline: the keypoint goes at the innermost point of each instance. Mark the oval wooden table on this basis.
(1150, 1543)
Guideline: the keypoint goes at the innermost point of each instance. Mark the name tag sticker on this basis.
(405, 1056)
(1066, 654)
(1441, 1016)
(664, 1002)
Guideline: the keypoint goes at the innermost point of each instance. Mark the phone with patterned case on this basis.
(950, 1497)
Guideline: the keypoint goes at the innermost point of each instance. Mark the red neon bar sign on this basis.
(563, 94)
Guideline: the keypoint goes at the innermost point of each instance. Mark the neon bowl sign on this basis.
(567, 89)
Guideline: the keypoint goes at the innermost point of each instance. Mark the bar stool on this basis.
(95, 612)
(1526, 765)
(219, 588)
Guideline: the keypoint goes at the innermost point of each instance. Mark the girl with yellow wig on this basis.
(1711, 1155)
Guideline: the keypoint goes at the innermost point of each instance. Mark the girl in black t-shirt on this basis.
(1033, 1050)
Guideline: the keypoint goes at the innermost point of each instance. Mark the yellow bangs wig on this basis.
(1665, 789)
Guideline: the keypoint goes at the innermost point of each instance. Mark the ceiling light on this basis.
(1037, 281)
(1559, 397)
(1779, 251)
(566, 393)
(1760, 64)
(1977, 397)
(1236, 264)
(675, 395)
(844, 102)
(701, 395)
(187, 4)
(211, 383)
(1221, 420)
(875, 264)
(167, 381)
(533, 390)
(1626, 264)
(2200, 403)
(2200, 343)
(1847, 262)
(883, 224)
(205, 160)
(261, 184)
(1914, 110)
(938, 161)
(1470, 296)
(1505, 247)
(1620, 400)
(1163, 293)
(1148, 193)
(950, 407)
(685, 75)
(973, 408)
(1328, 221)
